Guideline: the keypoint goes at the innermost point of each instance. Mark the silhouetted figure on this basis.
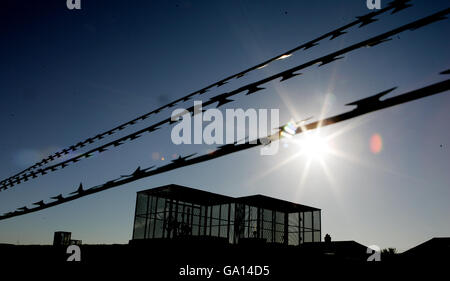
(185, 228)
(172, 226)
(327, 238)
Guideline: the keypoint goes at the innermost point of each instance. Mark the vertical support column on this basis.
(220, 220)
(175, 219)
(191, 221)
(274, 225)
(210, 220)
(249, 215)
(206, 222)
(228, 222)
(135, 216)
(320, 225)
(303, 227)
(170, 219)
(299, 229)
(154, 220)
(258, 223)
(164, 219)
(146, 216)
(286, 229)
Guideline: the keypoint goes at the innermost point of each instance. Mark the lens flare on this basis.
(288, 130)
(155, 156)
(315, 147)
(376, 143)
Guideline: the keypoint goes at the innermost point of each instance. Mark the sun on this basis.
(314, 146)
(310, 145)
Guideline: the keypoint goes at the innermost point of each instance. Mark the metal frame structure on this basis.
(174, 211)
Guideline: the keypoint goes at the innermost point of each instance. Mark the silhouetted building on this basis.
(75, 242)
(336, 250)
(175, 211)
(436, 249)
(61, 238)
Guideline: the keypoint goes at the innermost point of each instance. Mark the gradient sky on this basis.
(68, 75)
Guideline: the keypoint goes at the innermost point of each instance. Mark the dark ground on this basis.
(166, 259)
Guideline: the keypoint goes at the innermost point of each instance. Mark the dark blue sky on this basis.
(67, 75)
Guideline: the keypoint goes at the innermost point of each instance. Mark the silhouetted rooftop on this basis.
(202, 197)
(434, 248)
(274, 203)
(188, 194)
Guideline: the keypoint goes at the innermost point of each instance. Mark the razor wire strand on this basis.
(363, 106)
(223, 98)
(395, 6)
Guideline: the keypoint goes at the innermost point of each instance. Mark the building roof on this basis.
(196, 196)
(188, 194)
(274, 203)
(344, 250)
(434, 248)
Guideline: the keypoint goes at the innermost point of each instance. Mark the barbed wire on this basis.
(224, 98)
(395, 6)
(363, 106)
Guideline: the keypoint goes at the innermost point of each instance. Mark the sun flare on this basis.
(314, 146)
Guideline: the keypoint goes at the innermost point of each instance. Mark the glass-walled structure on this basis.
(173, 211)
(276, 221)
